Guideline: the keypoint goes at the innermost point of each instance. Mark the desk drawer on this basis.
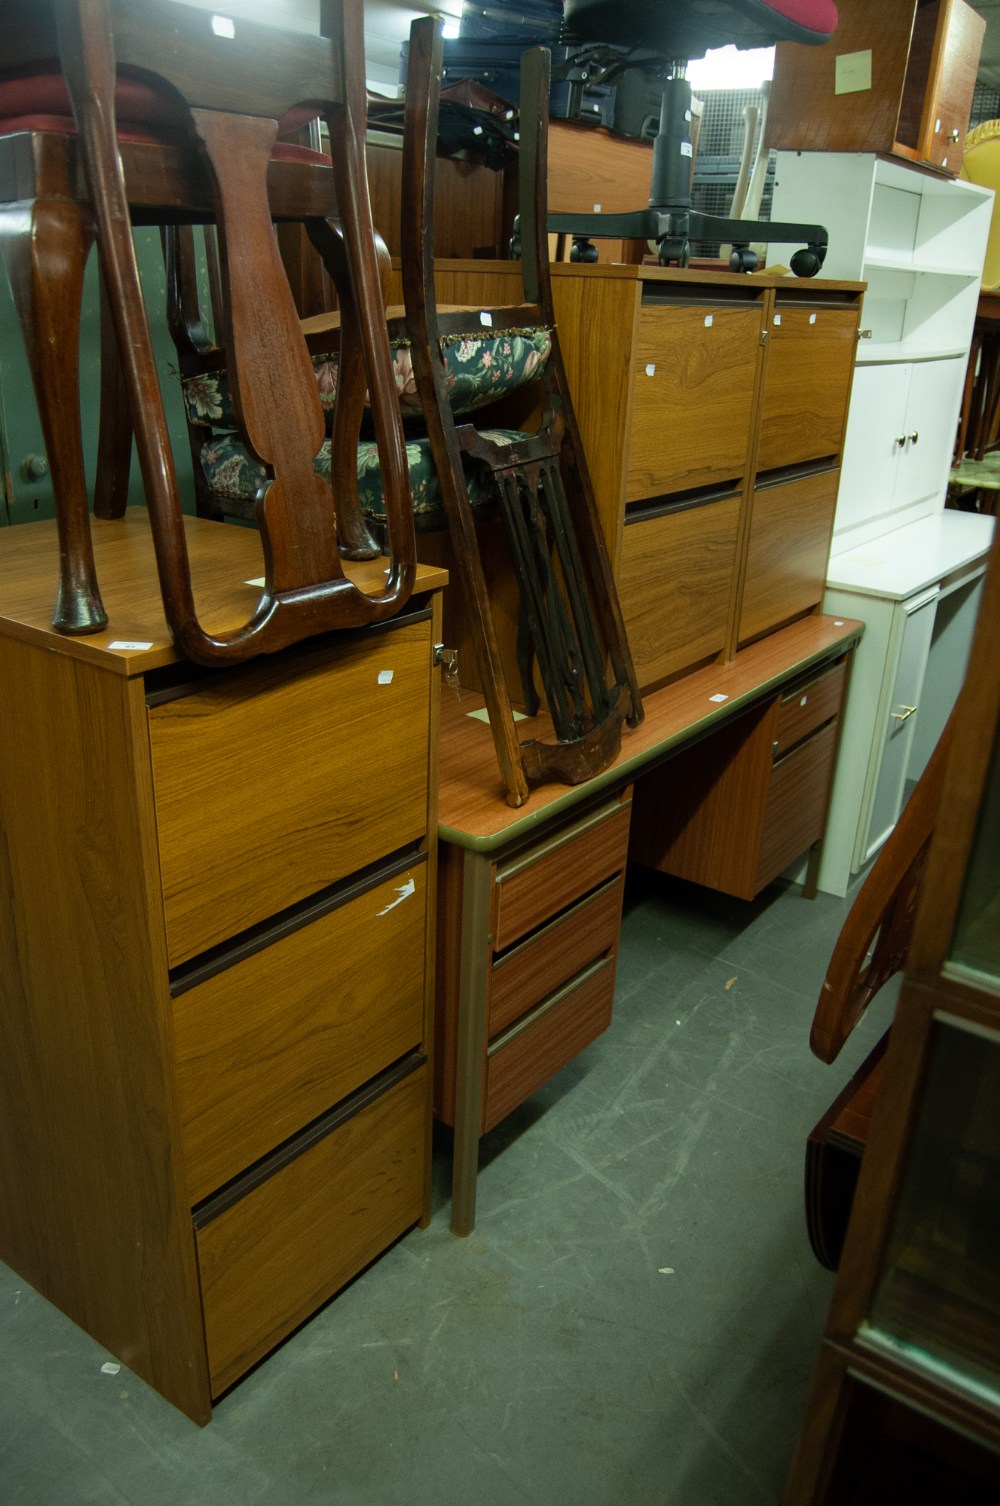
(544, 1041)
(271, 1258)
(807, 707)
(269, 1044)
(548, 958)
(266, 793)
(532, 888)
(796, 803)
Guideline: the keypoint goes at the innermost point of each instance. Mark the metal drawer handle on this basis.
(905, 714)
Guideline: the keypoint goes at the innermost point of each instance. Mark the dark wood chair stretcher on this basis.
(219, 94)
(871, 947)
(571, 625)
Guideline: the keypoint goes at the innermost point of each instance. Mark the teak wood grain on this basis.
(268, 1044)
(519, 1065)
(795, 812)
(924, 59)
(676, 575)
(549, 957)
(808, 706)
(791, 525)
(223, 559)
(93, 1207)
(237, 849)
(694, 372)
(530, 889)
(471, 810)
(271, 1258)
(807, 383)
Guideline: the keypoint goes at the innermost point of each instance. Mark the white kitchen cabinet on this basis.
(898, 561)
(917, 591)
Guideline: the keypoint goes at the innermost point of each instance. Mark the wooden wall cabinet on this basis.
(897, 77)
(214, 1089)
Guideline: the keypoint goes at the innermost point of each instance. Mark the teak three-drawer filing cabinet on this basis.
(215, 987)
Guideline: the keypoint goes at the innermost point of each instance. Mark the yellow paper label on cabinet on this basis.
(853, 72)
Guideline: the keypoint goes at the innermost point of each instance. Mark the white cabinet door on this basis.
(928, 431)
(914, 627)
(868, 475)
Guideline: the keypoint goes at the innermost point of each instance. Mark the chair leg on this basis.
(114, 445)
(44, 245)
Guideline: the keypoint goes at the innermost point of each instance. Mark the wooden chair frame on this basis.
(95, 187)
(551, 464)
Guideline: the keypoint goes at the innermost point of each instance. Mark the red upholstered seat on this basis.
(40, 102)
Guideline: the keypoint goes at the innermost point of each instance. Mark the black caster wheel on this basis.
(742, 259)
(806, 263)
(583, 250)
(674, 248)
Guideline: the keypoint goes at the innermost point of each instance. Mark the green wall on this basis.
(20, 431)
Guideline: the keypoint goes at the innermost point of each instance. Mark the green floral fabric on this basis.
(479, 369)
(232, 472)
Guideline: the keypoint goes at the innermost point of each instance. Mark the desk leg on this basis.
(473, 978)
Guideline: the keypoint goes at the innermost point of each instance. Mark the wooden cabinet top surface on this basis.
(472, 811)
(224, 559)
(681, 277)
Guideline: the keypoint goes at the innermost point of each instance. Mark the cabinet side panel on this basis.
(92, 1205)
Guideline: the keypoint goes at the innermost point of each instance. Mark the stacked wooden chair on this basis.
(465, 378)
(122, 112)
(570, 627)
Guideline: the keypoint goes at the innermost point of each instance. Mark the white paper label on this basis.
(719, 697)
(651, 368)
(852, 72)
(385, 676)
(485, 318)
(125, 643)
(709, 320)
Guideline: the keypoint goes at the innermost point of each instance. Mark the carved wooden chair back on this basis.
(204, 151)
(570, 623)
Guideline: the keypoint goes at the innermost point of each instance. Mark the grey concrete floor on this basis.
(635, 1318)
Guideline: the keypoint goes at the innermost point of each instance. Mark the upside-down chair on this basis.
(663, 36)
(122, 112)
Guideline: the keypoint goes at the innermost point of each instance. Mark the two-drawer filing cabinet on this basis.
(217, 922)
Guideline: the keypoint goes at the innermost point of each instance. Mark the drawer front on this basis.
(272, 1258)
(271, 783)
(540, 965)
(807, 383)
(796, 804)
(804, 709)
(790, 530)
(692, 395)
(269, 1044)
(531, 889)
(675, 581)
(541, 1045)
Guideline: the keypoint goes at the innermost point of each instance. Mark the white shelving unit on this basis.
(909, 570)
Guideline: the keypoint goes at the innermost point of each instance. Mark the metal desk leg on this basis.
(471, 1031)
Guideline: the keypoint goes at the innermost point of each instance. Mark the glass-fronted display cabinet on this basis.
(905, 1402)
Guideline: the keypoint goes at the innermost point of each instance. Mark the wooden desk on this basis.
(486, 846)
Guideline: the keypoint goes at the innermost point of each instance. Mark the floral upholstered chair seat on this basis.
(481, 367)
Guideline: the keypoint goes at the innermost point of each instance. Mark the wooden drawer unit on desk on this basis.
(215, 1094)
(547, 955)
(733, 811)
